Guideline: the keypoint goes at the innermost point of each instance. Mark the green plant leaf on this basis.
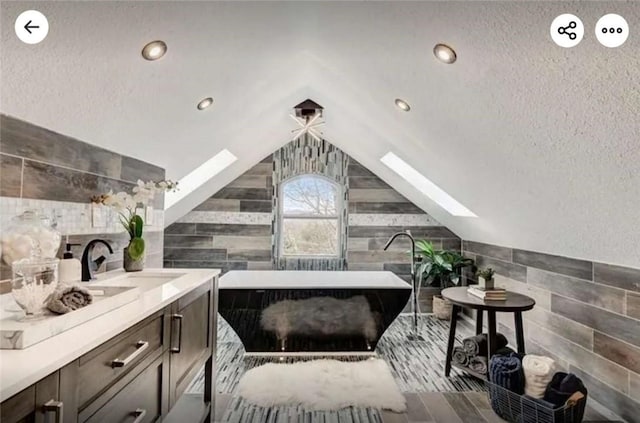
(136, 224)
(425, 247)
(440, 267)
(127, 225)
(425, 268)
(486, 274)
(136, 248)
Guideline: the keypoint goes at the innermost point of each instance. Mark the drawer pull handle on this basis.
(179, 318)
(53, 406)
(140, 347)
(139, 414)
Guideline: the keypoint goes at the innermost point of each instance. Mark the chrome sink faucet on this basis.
(89, 266)
(414, 289)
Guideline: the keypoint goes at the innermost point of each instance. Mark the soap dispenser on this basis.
(70, 268)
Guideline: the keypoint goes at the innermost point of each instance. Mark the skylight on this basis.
(425, 186)
(199, 176)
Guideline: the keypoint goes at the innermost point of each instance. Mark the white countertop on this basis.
(21, 368)
(303, 279)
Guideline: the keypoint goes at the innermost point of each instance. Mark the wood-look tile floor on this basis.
(417, 368)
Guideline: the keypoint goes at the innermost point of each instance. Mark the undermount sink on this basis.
(143, 281)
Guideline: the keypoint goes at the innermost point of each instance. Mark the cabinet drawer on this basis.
(142, 400)
(103, 366)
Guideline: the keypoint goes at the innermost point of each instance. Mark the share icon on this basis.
(563, 30)
(567, 30)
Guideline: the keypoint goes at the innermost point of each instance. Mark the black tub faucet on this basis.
(89, 266)
(415, 289)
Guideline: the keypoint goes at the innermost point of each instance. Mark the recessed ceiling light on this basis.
(444, 53)
(154, 50)
(402, 105)
(425, 186)
(204, 103)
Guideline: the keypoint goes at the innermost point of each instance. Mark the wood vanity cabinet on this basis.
(135, 377)
(142, 399)
(39, 403)
(122, 379)
(191, 341)
(100, 368)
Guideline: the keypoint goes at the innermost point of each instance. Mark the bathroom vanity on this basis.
(132, 364)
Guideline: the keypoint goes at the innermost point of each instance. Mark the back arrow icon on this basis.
(29, 27)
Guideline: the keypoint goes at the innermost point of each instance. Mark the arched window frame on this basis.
(337, 216)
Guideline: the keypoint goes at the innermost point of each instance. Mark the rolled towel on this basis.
(538, 372)
(508, 351)
(460, 356)
(505, 372)
(478, 364)
(561, 392)
(562, 387)
(478, 345)
(69, 298)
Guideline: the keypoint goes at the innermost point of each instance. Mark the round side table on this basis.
(515, 303)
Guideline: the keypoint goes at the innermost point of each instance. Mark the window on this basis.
(199, 176)
(425, 186)
(309, 217)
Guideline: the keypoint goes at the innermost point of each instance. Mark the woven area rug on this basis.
(323, 385)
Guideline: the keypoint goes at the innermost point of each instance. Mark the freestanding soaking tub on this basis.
(311, 311)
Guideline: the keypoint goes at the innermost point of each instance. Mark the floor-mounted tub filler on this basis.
(298, 312)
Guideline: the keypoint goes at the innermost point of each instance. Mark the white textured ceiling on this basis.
(541, 142)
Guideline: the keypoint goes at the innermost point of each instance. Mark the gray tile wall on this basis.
(586, 317)
(213, 236)
(214, 240)
(369, 195)
(307, 155)
(36, 163)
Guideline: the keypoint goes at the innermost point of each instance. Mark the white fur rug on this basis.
(323, 385)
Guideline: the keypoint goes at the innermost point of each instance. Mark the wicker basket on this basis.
(442, 308)
(516, 408)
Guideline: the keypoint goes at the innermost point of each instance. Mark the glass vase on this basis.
(34, 280)
(27, 233)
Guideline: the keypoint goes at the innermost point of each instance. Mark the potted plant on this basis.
(440, 268)
(127, 207)
(485, 278)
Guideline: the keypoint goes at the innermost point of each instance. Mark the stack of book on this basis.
(493, 294)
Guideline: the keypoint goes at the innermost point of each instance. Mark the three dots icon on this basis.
(612, 30)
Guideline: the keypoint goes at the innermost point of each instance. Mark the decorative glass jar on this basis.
(28, 232)
(34, 280)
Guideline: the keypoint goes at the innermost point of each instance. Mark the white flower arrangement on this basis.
(126, 205)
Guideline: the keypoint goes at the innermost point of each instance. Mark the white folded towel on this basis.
(538, 371)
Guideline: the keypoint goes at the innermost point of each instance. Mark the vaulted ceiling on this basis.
(541, 142)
